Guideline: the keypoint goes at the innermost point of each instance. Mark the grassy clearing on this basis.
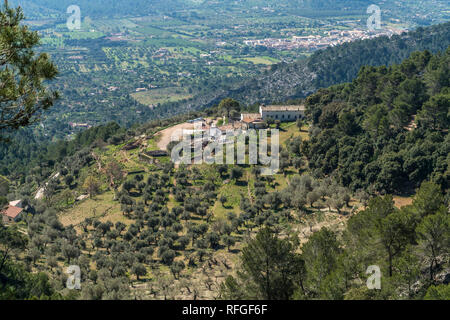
(153, 143)
(290, 130)
(129, 160)
(232, 192)
(102, 207)
(400, 202)
(155, 96)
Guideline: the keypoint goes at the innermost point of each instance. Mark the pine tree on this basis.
(23, 95)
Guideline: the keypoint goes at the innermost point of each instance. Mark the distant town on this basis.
(315, 42)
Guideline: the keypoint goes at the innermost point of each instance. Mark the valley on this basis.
(119, 178)
(131, 69)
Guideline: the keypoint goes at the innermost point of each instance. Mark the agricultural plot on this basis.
(262, 60)
(159, 96)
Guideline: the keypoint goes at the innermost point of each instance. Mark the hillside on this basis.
(152, 230)
(183, 226)
(356, 209)
(388, 129)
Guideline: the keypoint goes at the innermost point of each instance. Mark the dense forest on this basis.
(26, 151)
(388, 129)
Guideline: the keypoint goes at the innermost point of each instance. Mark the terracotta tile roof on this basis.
(12, 212)
(226, 127)
(248, 120)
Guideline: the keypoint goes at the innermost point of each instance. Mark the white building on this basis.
(16, 203)
(282, 113)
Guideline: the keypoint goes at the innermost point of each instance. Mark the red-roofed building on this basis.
(252, 121)
(11, 214)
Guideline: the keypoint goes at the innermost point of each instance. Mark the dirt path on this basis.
(99, 163)
(165, 136)
(40, 193)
